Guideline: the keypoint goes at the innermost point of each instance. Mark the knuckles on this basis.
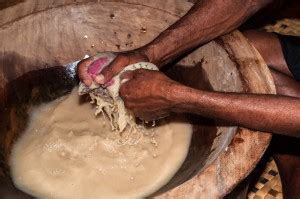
(123, 91)
(128, 105)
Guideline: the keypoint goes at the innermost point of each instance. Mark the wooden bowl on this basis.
(41, 36)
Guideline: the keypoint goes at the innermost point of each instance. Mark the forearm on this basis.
(269, 113)
(205, 21)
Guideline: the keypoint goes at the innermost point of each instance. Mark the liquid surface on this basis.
(67, 152)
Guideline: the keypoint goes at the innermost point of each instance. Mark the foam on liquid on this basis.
(67, 152)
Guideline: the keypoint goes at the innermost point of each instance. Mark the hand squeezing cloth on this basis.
(107, 99)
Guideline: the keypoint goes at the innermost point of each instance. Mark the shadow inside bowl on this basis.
(42, 86)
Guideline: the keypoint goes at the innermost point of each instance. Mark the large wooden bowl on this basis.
(39, 36)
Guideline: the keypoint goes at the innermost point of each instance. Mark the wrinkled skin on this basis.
(122, 60)
(147, 94)
(206, 20)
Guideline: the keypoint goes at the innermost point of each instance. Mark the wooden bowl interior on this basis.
(38, 44)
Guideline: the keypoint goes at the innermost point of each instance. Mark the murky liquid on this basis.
(66, 152)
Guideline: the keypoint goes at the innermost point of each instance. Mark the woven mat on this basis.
(269, 183)
(285, 27)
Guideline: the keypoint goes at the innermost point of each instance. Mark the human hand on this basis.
(148, 94)
(94, 68)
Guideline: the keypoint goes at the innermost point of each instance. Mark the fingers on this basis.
(126, 83)
(109, 83)
(127, 75)
(113, 69)
(134, 73)
(83, 71)
(130, 80)
(124, 91)
(88, 69)
(97, 65)
(147, 115)
(151, 116)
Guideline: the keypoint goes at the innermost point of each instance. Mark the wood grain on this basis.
(41, 34)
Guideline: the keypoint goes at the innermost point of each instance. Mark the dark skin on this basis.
(259, 111)
(285, 150)
(160, 95)
(205, 21)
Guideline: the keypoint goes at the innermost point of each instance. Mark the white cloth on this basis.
(109, 101)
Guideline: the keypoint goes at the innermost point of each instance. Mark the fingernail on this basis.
(99, 79)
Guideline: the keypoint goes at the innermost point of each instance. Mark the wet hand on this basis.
(91, 69)
(148, 94)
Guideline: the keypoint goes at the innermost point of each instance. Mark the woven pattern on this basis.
(268, 185)
(285, 27)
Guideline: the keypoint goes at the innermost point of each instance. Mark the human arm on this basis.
(150, 93)
(271, 113)
(206, 20)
